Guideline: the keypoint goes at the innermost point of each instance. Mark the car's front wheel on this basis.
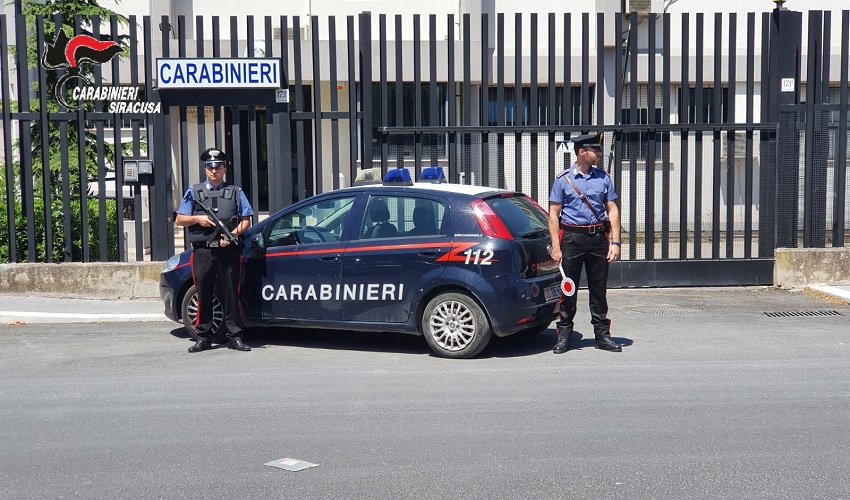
(190, 313)
(455, 326)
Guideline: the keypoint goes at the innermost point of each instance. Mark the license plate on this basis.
(552, 292)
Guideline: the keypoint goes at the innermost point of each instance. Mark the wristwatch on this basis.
(617, 243)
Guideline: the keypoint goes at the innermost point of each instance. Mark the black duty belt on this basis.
(206, 244)
(592, 229)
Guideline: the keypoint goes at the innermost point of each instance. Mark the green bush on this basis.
(58, 232)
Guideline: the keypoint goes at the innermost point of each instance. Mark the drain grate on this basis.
(664, 309)
(801, 314)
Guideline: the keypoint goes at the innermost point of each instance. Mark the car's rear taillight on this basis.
(490, 223)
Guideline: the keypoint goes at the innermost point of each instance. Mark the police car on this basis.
(456, 264)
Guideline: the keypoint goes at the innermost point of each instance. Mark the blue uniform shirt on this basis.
(186, 207)
(596, 186)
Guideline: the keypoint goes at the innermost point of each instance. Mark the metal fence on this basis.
(703, 198)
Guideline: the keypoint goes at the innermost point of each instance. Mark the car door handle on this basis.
(429, 254)
(329, 259)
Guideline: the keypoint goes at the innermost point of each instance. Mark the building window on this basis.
(635, 144)
(402, 146)
(522, 117)
(692, 113)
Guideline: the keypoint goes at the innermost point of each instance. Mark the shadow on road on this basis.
(346, 340)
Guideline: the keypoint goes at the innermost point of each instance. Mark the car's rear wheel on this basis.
(455, 326)
(190, 312)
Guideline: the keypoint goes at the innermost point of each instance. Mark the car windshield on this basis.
(522, 217)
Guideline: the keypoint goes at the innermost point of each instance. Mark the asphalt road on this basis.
(711, 398)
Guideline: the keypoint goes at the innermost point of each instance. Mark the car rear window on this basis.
(522, 217)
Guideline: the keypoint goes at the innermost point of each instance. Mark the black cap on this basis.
(213, 154)
(587, 141)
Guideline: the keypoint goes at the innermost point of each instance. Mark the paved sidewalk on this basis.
(68, 310)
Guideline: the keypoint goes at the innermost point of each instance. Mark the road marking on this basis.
(20, 314)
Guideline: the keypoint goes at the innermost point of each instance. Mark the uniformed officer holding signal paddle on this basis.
(584, 226)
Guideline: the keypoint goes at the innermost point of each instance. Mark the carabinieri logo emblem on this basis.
(69, 53)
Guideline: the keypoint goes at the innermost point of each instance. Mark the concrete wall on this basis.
(796, 267)
(108, 280)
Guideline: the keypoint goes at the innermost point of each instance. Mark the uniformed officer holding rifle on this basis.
(216, 214)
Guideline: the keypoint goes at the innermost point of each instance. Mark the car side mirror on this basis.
(258, 245)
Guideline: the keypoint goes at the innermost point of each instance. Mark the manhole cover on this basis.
(664, 309)
(801, 314)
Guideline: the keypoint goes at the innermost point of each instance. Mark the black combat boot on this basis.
(201, 345)
(563, 343)
(606, 344)
(236, 343)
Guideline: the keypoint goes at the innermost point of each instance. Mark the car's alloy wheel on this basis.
(455, 326)
(190, 312)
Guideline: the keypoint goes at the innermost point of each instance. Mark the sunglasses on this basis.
(214, 165)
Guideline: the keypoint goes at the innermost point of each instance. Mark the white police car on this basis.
(454, 263)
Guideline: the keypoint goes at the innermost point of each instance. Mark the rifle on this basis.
(221, 228)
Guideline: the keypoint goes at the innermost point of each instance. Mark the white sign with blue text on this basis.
(232, 73)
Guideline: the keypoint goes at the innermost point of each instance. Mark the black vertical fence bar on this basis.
(353, 119)
(185, 154)
(162, 238)
(500, 96)
(731, 146)
(600, 69)
(466, 99)
(399, 95)
(64, 160)
(585, 68)
(7, 147)
(367, 120)
(551, 111)
(840, 171)
(82, 169)
(216, 49)
(633, 109)
(665, 151)
(235, 115)
(201, 110)
(483, 98)
(649, 224)
(119, 154)
(161, 158)
(304, 187)
(825, 44)
(717, 118)
(517, 115)
(46, 188)
(101, 155)
(318, 163)
(811, 206)
(567, 105)
(750, 116)
(274, 138)
(384, 90)
(619, 81)
(287, 180)
(533, 118)
(25, 125)
(253, 156)
(767, 156)
(684, 104)
(136, 135)
(698, 139)
(452, 98)
(433, 102)
(417, 92)
(332, 60)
